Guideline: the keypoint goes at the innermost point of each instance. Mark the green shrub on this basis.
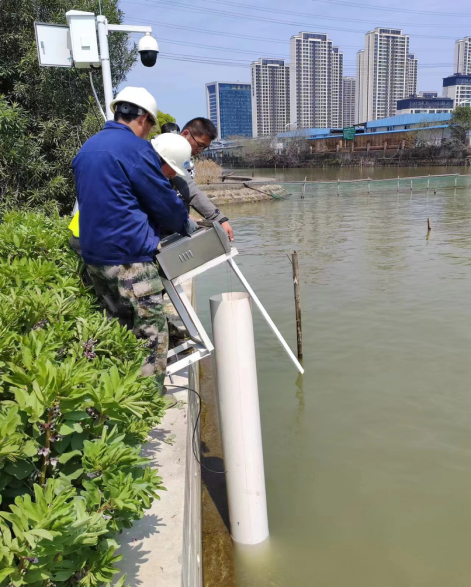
(74, 410)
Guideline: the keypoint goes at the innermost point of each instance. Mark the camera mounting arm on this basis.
(103, 29)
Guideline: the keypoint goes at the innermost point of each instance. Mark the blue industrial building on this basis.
(398, 123)
(230, 108)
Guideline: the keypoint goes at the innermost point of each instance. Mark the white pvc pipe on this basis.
(239, 414)
(105, 64)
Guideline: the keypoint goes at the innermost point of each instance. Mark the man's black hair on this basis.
(118, 116)
(170, 127)
(123, 111)
(200, 127)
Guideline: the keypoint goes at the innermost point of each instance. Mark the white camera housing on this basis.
(148, 49)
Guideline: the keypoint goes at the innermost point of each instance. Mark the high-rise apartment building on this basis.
(411, 73)
(463, 56)
(230, 108)
(382, 73)
(315, 81)
(349, 101)
(270, 97)
(360, 87)
(458, 88)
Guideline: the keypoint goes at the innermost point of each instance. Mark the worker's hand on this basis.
(228, 228)
(190, 226)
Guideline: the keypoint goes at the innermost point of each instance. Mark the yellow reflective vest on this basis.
(74, 225)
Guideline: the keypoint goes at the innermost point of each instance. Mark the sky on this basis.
(203, 41)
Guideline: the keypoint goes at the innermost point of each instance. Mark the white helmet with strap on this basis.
(140, 98)
(174, 150)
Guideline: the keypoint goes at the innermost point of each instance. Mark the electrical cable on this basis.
(212, 11)
(317, 16)
(96, 96)
(270, 10)
(237, 36)
(77, 76)
(407, 10)
(200, 404)
(244, 63)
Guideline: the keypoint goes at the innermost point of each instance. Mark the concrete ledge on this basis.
(163, 549)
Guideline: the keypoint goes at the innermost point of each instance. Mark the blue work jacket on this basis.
(124, 198)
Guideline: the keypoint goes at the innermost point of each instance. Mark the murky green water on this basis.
(368, 457)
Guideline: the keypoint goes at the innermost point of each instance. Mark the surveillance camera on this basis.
(148, 49)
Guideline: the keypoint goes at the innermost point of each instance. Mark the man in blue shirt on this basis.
(124, 201)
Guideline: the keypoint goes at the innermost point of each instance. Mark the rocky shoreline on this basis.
(235, 193)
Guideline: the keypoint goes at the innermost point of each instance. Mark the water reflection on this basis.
(368, 457)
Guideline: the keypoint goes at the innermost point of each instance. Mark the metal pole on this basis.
(265, 314)
(297, 304)
(105, 63)
(239, 415)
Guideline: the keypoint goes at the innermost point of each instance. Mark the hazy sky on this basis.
(216, 40)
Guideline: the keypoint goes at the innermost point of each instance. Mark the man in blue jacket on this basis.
(124, 201)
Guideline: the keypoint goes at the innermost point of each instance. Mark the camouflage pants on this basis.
(133, 294)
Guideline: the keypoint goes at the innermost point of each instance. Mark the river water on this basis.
(368, 456)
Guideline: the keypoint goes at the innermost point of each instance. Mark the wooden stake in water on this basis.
(429, 224)
(456, 180)
(398, 183)
(304, 188)
(369, 184)
(428, 182)
(411, 185)
(297, 303)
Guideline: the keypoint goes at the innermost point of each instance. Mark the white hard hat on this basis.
(140, 97)
(174, 150)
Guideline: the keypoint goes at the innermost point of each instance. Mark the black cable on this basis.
(200, 404)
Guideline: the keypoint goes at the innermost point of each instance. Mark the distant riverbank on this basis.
(290, 174)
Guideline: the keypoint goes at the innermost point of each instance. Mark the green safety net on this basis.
(401, 185)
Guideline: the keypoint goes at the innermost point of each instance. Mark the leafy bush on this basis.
(47, 113)
(74, 410)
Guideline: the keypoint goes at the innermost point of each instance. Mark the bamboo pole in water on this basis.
(429, 224)
(297, 304)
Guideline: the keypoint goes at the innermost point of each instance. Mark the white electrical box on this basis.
(83, 38)
(53, 44)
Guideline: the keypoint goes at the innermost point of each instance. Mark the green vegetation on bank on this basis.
(460, 124)
(74, 411)
(47, 113)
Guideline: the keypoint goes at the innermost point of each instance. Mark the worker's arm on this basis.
(203, 205)
(156, 195)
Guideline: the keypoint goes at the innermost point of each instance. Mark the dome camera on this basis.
(148, 49)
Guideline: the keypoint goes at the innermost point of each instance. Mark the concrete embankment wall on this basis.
(233, 193)
(164, 548)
